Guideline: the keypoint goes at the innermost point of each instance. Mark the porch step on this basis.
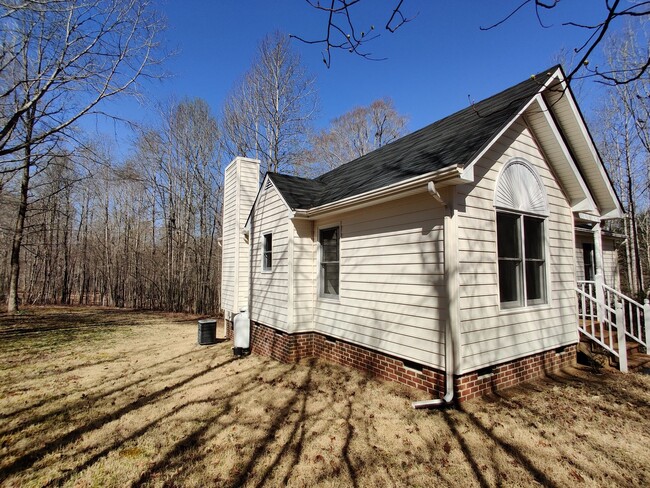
(638, 362)
(631, 345)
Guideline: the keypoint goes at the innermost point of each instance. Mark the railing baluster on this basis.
(628, 317)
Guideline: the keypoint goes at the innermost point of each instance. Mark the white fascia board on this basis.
(556, 77)
(588, 217)
(503, 130)
(401, 189)
(618, 211)
(587, 203)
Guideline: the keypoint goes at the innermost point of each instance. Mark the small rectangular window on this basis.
(329, 262)
(267, 256)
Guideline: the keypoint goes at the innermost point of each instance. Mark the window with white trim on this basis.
(520, 200)
(267, 252)
(329, 261)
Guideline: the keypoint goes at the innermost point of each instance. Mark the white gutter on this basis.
(387, 193)
(452, 349)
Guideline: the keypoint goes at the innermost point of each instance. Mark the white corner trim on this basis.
(290, 278)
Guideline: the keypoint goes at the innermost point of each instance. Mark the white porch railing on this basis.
(608, 318)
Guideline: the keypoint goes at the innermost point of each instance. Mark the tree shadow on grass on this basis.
(28, 459)
(173, 459)
(299, 396)
(516, 402)
(509, 448)
(88, 400)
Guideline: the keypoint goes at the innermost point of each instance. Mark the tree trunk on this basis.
(14, 273)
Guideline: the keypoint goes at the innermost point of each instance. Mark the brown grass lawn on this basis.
(99, 397)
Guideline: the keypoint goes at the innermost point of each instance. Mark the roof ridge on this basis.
(452, 140)
(547, 72)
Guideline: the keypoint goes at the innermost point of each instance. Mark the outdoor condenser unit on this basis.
(207, 332)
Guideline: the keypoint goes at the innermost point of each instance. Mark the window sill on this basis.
(530, 308)
(329, 299)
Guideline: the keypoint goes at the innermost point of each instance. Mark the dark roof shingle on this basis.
(453, 140)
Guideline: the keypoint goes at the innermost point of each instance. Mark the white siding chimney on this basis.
(241, 183)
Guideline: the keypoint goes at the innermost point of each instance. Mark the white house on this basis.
(446, 260)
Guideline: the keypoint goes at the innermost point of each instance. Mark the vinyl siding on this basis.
(490, 335)
(270, 289)
(392, 296)
(304, 284)
(249, 186)
(610, 263)
(241, 182)
(610, 259)
(229, 239)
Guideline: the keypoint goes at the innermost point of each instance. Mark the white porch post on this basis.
(620, 334)
(598, 250)
(599, 275)
(646, 323)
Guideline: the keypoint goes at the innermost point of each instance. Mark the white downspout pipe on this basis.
(450, 243)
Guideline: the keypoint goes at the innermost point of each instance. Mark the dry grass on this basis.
(95, 397)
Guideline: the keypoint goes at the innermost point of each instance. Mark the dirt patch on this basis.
(102, 397)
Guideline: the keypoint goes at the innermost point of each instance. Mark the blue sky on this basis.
(434, 64)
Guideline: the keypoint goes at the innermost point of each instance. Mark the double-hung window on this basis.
(522, 263)
(329, 261)
(267, 252)
(520, 200)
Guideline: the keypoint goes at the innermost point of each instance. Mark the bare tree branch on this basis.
(341, 33)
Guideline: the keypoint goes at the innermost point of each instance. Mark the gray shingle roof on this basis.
(454, 140)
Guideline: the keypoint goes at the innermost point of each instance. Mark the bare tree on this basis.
(355, 133)
(342, 31)
(597, 34)
(345, 31)
(622, 133)
(60, 61)
(180, 163)
(268, 115)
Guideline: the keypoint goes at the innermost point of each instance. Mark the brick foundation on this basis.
(229, 329)
(289, 348)
(512, 373)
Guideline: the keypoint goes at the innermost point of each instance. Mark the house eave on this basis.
(451, 175)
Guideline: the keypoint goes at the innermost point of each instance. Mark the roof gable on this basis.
(458, 140)
(453, 140)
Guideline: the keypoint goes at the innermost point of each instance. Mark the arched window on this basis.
(521, 211)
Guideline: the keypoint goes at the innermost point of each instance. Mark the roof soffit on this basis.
(570, 122)
(559, 157)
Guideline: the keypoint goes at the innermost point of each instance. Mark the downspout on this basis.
(450, 253)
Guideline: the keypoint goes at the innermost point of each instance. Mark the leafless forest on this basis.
(80, 223)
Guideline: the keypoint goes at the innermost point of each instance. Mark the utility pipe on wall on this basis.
(450, 243)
